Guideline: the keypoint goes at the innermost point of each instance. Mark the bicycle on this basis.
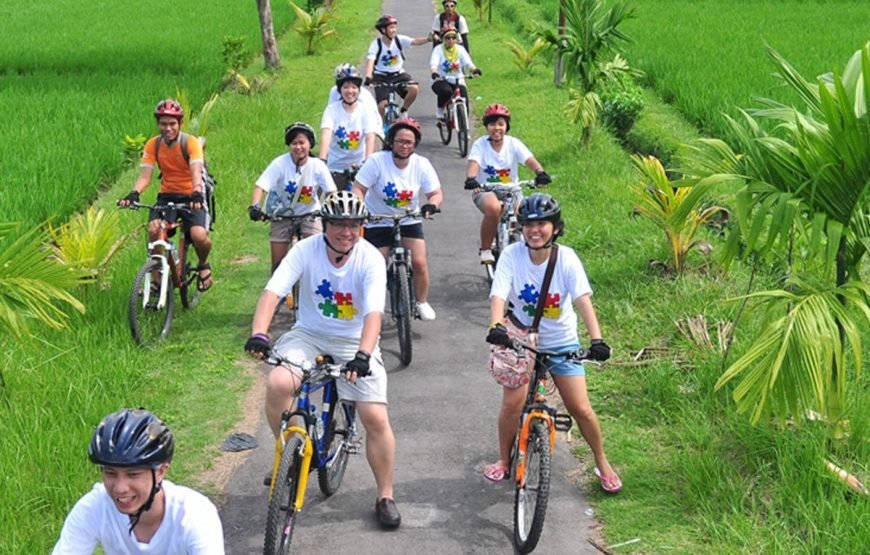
(344, 178)
(296, 221)
(533, 446)
(509, 230)
(394, 99)
(456, 117)
(152, 302)
(324, 441)
(400, 283)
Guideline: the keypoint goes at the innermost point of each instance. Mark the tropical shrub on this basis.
(525, 59)
(621, 104)
(313, 26)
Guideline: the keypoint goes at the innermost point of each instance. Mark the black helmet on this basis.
(343, 205)
(299, 127)
(541, 207)
(383, 21)
(131, 437)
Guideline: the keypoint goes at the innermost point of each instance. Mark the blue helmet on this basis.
(131, 437)
(541, 207)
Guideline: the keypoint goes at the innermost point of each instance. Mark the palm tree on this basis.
(805, 186)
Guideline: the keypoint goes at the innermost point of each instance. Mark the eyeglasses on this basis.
(450, 37)
(403, 142)
(346, 224)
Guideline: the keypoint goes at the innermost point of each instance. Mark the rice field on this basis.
(71, 94)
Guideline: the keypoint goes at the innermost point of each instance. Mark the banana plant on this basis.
(525, 59)
(89, 241)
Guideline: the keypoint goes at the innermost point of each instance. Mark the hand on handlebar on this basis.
(542, 178)
(358, 366)
(197, 200)
(258, 345)
(498, 335)
(471, 184)
(599, 350)
(255, 213)
(428, 209)
(476, 71)
(131, 198)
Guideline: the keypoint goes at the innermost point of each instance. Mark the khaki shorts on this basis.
(279, 232)
(301, 344)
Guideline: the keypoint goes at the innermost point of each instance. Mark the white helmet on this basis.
(343, 205)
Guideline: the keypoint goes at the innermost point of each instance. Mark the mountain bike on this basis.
(400, 283)
(324, 441)
(456, 117)
(394, 101)
(152, 302)
(509, 230)
(533, 447)
(296, 221)
(344, 178)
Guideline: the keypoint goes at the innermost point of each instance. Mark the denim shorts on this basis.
(560, 365)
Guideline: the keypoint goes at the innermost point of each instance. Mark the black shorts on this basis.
(381, 93)
(383, 236)
(188, 219)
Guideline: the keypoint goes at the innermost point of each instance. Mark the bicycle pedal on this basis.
(563, 422)
(353, 447)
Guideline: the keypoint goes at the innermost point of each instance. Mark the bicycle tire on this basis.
(189, 290)
(444, 129)
(404, 314)
(462, 130)
(530, 501)
(149, 325)
(338, 431)
(281, 518)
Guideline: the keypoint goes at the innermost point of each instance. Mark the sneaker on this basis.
(388, 513)
(425, 312)
(403, 113)
(439, 113)
(486, 256)
(267, 480)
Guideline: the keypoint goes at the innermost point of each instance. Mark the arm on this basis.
(465, 42)
(436, 197)
(359, 190)
(370, 332)
(587, 312)
(370, 145)
(264, 312)
(370, 67)
(325, 141)
(420, 40)
(496, 309)
(196, 176)
(533, 164)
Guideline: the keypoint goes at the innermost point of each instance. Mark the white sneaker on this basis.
(486, 256)
(425, 311)
(439, 113)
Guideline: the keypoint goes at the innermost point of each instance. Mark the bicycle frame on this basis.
(455, 100)
(165, 256)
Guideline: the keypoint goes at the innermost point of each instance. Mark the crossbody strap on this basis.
(545, 288)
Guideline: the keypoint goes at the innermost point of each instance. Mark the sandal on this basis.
(203, 282)
(610, 484)
(496, 472)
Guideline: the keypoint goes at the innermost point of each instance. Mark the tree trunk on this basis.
(267, 32)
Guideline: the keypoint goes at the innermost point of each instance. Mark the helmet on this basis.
(541, 207)
(385, 20)
(448, 29)
(169, 107)
(454, 2)
(347, 72)
(343, 205)
(495, 111)
(404, 123)
(131, 437)
(299, 127)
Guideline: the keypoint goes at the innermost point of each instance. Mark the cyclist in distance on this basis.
(494, 159)
(180, 182)
(343, 284)
(450, 17)
(518, 280)
(448, 63)
(385, 62)
(135, 509)
(294, 183)
(366, 98)
(392, 182)
(347, 129)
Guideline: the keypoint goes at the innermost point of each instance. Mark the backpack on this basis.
(381, 47)
(208, 180)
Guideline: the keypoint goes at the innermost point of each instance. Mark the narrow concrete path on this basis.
(443, 407)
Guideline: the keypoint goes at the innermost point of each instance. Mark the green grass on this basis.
(96, 76)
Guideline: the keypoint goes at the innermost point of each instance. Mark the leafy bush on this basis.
(622, 103)
(87, 242)
(525, 59)
(235, 54)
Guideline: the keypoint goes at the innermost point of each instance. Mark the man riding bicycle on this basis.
(448, 63)
(134, 509)
(180, 182)
(391, 181)
(385, 61)
(342, 295)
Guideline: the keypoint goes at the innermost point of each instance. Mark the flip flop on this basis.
(203, 282)
(610, 484)
(495, 472)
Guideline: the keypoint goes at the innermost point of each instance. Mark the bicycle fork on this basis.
(307, 454)
(166, 270)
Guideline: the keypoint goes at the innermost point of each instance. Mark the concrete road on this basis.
(443, 407)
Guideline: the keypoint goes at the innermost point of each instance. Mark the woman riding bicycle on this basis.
(448, 63)
(347, 129)
(294, 183)
(366, 98)
(451, 17)
(517, 283)
(391, 182)
(494, 159)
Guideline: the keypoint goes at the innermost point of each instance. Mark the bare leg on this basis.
(576, 399)
(380, 445)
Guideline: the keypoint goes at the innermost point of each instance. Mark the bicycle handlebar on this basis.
(323, 366)
(182, 206)
(311, 216)
(580, 355)
(397, 217)
(393, 85)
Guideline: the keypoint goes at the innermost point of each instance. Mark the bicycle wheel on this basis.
(444, 128)
(462, 129)
(190, 294)
(148, 323)
(530, 503)
(338, 433)
(404, 314)
(281, 519)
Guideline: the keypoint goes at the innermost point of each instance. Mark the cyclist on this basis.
(366, 98)
(518, 279)
(134, 509)
(343, 282)
(448, 63)
(391, 182)
(294, 182)
(180, 182)
(347, 128)
(385, 61)
(494, 159)
(450, 17)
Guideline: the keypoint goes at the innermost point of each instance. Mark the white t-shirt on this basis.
(499, 167)
(391, 59)
(391, 190)
(367, 100)
(191, 526)
(519, 282)
(462, 27)
(451, 71)
(334, 301)
(292, 189)
(349, 129)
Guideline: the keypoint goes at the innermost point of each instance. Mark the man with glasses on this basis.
(450, 17)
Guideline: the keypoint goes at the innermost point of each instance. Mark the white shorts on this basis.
(300, 344)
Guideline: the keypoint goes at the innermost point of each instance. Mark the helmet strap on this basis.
(155, 489)
(341, 254)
